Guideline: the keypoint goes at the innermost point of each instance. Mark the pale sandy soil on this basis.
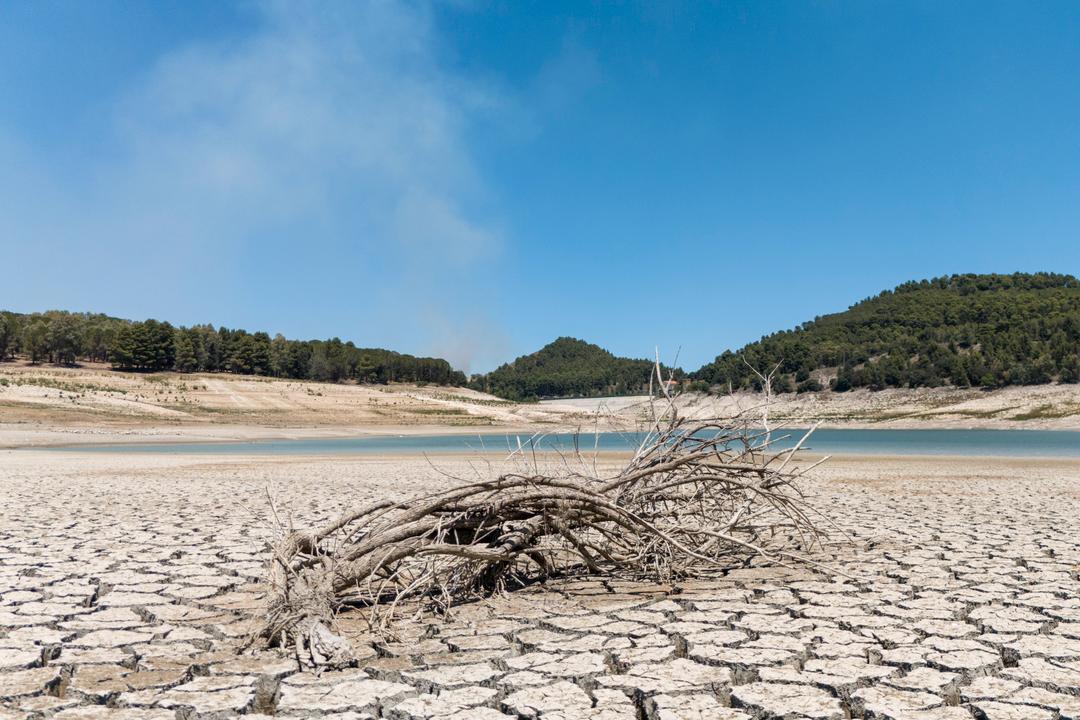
(44, 405)
(1054, 407)
(1040, 406)
(127, 581)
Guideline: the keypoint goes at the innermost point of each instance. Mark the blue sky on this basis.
(475, 179)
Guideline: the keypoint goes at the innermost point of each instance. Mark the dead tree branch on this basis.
(697, 498)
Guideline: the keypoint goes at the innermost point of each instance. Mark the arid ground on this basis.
(45, 405)
(128, 582)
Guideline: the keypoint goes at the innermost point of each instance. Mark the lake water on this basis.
(1008, 443)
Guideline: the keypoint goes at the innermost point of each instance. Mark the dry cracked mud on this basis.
(126, 586)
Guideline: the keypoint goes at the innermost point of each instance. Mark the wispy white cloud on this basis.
(330, 132)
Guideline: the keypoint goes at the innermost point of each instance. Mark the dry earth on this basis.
(44, 405)
(1054, 407)
(127, 581)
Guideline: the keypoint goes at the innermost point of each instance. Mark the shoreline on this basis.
(607, 456)
(15, 436)
(225, 434)
(88, 407)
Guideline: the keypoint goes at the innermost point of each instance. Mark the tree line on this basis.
(65, 338)
(564, 368)
(963, 330)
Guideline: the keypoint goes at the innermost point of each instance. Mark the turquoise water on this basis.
(1015, 443)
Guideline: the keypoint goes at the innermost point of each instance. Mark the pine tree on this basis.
(186, 359)
(319, 365)
(35, 339)
(63, 339)
(122, 348)
(279, 356)
(8, 334)
(260, 354)
(1070, 369)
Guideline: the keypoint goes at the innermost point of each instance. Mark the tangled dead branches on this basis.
(696, 498)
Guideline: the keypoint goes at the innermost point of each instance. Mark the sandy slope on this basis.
(49, 405)
(1039, 406)
(44, 404)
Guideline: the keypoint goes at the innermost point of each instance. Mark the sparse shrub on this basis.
(783, 384)
(1070, 369)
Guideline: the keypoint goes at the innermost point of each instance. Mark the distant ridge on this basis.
(964, 330)
(567, 367)
(65, 338)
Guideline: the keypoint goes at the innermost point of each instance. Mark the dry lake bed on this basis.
(128, 581)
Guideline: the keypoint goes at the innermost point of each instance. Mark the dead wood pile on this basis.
(698, 497)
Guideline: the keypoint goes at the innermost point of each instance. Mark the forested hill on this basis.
(65, 338)
(566, 368)
(965, 330)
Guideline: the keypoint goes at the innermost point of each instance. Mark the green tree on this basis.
(871, 376)
(367, 368)
(35, 339)
(63, 339)
(566, 367)
(782, 384)
(279, 356)
(154, 346)
(1070, 368)
(123, 348)
(97, 335)
(299, 359)
(9, 333)
(184, 352)
(260, 354)
(962, 329)
(319, 365)
(148, 345)
(213, 359)
(241, 357)
(845, 379)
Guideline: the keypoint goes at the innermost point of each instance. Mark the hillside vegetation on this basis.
(64, 338)
(962, 330)
(564, 368)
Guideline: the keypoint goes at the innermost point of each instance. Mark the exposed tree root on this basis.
(696, 498)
